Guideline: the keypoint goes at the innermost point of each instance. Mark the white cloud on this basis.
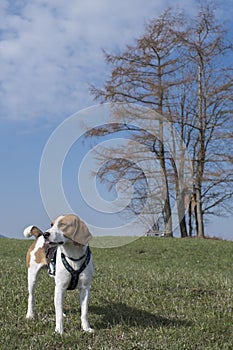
(51, 50)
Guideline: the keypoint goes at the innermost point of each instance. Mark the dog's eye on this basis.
(51, 224)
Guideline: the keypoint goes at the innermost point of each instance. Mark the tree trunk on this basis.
(190, 214)
(201, 152)
(164, 176)
(180, 201)
(199, 215)
(181, 216)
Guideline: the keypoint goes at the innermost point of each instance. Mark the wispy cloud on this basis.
(50, 51)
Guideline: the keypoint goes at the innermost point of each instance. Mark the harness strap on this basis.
(72, 259)
(51, 256)
(75, 273)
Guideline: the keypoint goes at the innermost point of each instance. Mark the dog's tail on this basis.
(32, 231)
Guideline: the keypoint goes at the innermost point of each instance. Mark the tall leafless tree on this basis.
(210, 112)
(178, 68)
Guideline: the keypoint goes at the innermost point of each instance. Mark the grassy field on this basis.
(155, 293)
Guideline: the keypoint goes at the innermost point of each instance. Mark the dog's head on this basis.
(68, 227)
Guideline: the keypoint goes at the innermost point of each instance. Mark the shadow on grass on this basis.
(121, 314)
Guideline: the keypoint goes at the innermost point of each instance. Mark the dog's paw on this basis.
(29, 316)
(88, 330)
(58, 331)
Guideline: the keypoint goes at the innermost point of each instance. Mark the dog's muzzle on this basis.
(47, 240)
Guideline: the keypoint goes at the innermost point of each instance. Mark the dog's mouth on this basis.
(51, 243)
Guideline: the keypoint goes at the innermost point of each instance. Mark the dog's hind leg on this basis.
(33, 271)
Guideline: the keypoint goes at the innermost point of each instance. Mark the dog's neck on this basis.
(73, 250)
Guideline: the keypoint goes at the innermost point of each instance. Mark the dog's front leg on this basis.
(58, 303)
(84, 299)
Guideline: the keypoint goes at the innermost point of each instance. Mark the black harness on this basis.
(74, 273)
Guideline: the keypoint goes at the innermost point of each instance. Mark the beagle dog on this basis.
(67, 239)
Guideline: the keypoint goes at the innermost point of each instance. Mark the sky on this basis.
(50, 54)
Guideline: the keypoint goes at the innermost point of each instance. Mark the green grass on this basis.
(155, 293)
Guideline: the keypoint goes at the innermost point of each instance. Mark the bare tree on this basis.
(144, 73)
(210, 112)
(178, 69)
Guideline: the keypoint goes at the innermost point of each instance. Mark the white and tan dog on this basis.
(74, 266)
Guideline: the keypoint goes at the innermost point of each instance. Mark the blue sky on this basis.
(50, 52)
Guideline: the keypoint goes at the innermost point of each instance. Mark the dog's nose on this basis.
(46, 235)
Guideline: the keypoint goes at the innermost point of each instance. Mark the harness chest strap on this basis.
(75, 273)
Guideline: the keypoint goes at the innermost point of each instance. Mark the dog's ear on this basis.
(75, 229)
